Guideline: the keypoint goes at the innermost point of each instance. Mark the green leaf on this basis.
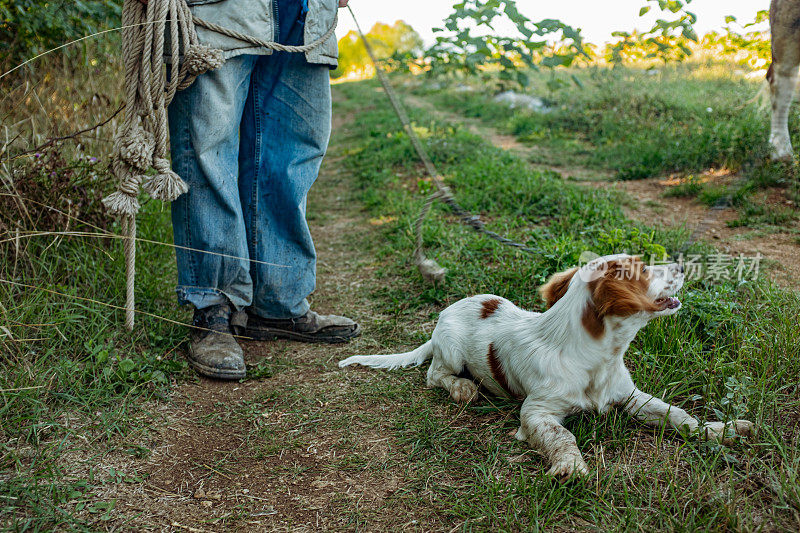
(127, 365)
(643, 11)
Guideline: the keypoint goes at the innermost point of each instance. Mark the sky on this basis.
(594, 17)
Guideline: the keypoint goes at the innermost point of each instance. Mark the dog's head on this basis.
(620, 286)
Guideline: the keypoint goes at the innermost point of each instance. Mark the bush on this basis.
(30, 27)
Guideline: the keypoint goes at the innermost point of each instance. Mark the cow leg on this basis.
(784, 22)
(782, 86)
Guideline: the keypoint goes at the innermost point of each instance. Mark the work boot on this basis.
(213, 351)
(311, 327)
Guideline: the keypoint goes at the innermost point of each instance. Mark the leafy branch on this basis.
(667, 40)
(469, 44)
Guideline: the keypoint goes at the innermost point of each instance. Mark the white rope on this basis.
(141, 142)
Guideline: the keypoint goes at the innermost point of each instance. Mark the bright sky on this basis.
(594, 17)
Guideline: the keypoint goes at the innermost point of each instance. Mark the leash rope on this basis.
(151, 82)
(431, 271)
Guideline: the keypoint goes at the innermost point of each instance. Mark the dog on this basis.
(560, 362)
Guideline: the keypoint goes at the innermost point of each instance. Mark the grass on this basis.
(711, 358)
(81, 376)
(86, 386)
(635, 123)
(72, 378)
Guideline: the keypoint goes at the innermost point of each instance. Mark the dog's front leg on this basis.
(542, 428)
(653, 411)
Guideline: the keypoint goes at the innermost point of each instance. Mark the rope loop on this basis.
(135, 146)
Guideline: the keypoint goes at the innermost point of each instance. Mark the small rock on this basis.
(514, 100)
(199, 494)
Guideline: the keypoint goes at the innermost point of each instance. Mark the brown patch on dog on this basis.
(489, 307)
(556, 286)
(498, 373)
(592, 322)
(622, 290)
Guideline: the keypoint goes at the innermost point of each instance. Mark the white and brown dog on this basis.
(562, 361)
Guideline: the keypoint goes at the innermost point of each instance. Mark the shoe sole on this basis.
(216, 373)
(269, 334)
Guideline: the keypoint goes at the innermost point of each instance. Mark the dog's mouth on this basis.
(668, 302)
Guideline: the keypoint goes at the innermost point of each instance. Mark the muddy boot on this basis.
(311, 327)
(213, 350)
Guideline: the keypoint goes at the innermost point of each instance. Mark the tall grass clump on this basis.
(639, 123)
(72, 381)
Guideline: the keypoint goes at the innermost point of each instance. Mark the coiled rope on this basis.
(153, 74)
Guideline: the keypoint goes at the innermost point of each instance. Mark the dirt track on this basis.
(262, 454)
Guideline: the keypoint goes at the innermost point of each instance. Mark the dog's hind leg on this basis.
(440, 375)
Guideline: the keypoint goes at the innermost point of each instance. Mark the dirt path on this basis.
(277, 452)
(648, 203)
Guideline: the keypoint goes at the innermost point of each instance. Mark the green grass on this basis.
(81, 381)
(684, 119)
(731, 350)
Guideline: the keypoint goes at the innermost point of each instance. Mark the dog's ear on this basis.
(622, 291)
(556, 286)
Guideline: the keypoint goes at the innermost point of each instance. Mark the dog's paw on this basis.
(720, 432)
(568, 466)
(463, 390)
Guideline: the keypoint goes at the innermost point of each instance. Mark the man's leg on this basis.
(286, 128)
(213, 265)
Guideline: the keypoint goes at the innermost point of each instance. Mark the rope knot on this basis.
(431, 270)
(474, 221)
(199, 59)
(119, 203)
(135, 146)
(166, 185)
(124, 200)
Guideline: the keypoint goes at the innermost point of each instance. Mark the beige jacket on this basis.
(257, 18)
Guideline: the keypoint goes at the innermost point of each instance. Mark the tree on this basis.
(668, 39)
(387, 42)
(466, 44)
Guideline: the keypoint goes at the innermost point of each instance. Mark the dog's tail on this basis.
(412, 358)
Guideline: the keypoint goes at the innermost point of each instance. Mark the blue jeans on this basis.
(249, 139)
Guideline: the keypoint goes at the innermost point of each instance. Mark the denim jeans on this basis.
(249, 139)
